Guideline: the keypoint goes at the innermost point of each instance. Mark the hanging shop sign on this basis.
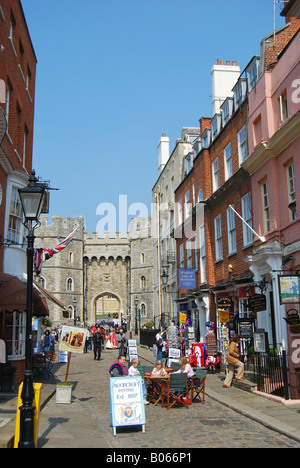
(257, 303)
(223, 316)
(224, 301)
(289, 289)
(246, 328)
(293, 320)
(187, 279)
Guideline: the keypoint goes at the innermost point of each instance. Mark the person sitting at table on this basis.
(158, 370)
(185, 368)
(119, 369)
(133, 370)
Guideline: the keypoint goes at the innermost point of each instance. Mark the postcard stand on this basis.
(126, 404)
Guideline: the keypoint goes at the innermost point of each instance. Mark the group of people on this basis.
(98, 339)
(119, 368)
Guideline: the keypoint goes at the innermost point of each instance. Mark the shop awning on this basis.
(13, 296)
(50, 296)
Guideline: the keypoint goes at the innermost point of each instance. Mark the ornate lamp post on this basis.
(32, 198)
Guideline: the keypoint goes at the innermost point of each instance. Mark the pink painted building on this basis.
(274, 166)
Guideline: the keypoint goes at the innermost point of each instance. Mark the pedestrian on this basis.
(233, 362)
(159, 345)
(122, 342)
(118, 369)
(48, 342)
(97, 340)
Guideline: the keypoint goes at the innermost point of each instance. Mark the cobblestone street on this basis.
(85, 423)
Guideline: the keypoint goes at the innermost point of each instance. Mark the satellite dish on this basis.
(3, 125)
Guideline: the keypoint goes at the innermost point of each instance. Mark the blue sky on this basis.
(113, 75)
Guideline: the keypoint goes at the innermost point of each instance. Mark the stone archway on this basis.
(106, 303)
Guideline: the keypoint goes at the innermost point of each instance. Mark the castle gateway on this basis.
(96, 277)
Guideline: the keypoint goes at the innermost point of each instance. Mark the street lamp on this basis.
(31, 198)
(136, 303)
(164, 278)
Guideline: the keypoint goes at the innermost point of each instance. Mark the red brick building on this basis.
(17, 92)
(17, 75)
(211, 238)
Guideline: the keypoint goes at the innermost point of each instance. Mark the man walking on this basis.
(97, 340)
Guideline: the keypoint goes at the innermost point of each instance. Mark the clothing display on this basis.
(197, 354)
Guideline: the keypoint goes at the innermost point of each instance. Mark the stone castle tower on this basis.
(96, 276)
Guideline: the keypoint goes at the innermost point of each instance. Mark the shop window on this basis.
(12, 331)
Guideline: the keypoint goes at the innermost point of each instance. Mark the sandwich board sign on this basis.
(126, 403)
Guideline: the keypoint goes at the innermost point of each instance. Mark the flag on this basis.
(41, 255)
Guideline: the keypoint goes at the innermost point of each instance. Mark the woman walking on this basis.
(233, 362)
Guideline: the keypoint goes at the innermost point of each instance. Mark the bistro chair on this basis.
(175, 366)
(141, 370)
(198, 385)
(176, 390)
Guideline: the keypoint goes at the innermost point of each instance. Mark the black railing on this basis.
(270, 374)
(147, 337)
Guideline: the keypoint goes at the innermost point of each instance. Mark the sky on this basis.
(113, 76)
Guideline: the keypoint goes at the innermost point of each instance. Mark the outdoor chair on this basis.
(175, 366)
(198, 385)
(141, 370)
(176, 390)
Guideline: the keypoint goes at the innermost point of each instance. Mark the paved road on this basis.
(85, 423)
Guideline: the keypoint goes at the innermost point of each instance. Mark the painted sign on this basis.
(126, 402)
(73, 339)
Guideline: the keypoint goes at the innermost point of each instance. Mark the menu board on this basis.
(246, 328)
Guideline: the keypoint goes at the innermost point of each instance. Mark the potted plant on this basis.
(64, 393)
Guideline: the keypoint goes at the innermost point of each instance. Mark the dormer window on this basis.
(215, 126)
(252, 72)
(227, 108)
(240, 92)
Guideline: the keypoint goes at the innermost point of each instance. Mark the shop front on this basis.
(13, 298)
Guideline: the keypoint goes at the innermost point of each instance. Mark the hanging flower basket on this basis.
(46, 322)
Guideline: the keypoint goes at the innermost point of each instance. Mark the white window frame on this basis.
(231, 230)
(215, 172)
(181, 255)
(284, 106)
(180, 218)
(187, 205)
(265, 205)
(291, 187)
(202, 253)
(15, 229)
(247, 216)
(18, 335)
(218, 238)
(243, 144)
(228, 161)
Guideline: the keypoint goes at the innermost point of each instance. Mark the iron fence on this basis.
(270, 374)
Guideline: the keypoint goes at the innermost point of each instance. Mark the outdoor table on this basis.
(156, 385)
